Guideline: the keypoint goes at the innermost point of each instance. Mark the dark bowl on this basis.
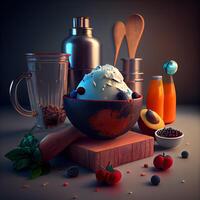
(103, 119)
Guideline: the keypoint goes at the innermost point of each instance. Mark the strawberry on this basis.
(101, 174)
(163, 162)
(109, 175)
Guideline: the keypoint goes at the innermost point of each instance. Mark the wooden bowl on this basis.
(103, 119)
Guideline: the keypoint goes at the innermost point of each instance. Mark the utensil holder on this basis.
(131, 71)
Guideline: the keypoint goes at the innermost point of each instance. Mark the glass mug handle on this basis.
(14, 98)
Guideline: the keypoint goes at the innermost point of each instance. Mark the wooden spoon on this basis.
(119, 32)
(134, 30)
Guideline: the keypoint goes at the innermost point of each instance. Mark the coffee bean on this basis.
(53, 115)
(169, 132)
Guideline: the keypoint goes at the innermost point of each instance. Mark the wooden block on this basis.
(93, 153)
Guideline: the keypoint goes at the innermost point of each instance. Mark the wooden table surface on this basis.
(14, 126)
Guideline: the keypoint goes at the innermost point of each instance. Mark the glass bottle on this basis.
(169, 99)
(155, 95)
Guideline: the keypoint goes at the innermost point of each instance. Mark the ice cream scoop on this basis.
(103, 83)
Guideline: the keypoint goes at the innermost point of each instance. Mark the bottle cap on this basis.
(157, 77)
(81, 22)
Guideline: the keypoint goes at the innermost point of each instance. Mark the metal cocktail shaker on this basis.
(83, 48)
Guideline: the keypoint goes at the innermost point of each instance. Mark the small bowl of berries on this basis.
(169, 137)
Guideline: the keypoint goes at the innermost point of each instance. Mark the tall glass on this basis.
(46, 80)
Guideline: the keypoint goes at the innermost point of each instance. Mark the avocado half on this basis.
(149, 122)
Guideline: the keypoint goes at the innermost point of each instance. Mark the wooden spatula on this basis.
(119, 32)
(134, 30)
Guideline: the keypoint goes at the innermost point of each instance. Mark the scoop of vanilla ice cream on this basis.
(103, 83)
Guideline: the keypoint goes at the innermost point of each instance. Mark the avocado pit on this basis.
(151, 117)
(149, 122)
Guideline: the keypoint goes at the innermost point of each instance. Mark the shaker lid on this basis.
(81, 22)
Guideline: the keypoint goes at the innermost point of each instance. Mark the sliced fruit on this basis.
(149, 121)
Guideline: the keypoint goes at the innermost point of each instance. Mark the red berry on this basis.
(163, 162)
(113, 177)
(101, 174)
(109, 175)
(65, 184)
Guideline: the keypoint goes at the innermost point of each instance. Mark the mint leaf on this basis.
(36, 172)
(29, 141)
(37, 155)
(21, 164)
(16, 154)
(28, 150)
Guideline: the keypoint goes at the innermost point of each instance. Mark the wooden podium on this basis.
(92, 154)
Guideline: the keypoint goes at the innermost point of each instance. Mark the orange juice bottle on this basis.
(169, 100)
(155, 95)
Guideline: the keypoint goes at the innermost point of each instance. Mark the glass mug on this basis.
(46, 80)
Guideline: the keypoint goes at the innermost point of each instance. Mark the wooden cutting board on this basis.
(129, 147)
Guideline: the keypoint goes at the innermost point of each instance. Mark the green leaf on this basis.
(28, 150)
(29, 141)
(109, 168)
(37, 155)
(21, 164)
(36, 172)
(16, 154)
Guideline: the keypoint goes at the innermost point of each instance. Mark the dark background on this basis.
(172, 30)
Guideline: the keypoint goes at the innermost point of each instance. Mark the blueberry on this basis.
(73, 94)
(122, 96)
(81, 90)
(72, 172)
(155, 180)
(135, 95)
(184, 154)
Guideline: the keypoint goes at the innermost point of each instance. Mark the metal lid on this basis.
(157, 77)
(81, 22)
